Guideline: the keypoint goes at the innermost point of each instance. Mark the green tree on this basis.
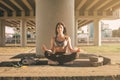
(116, 33)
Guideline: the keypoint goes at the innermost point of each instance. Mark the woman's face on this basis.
(60, 29)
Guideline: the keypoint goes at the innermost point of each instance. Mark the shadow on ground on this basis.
(24, 55)
(82, 61)
(45, 62)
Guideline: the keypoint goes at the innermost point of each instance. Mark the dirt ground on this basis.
(80, 67)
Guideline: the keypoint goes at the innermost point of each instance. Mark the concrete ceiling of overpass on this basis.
(85, 11)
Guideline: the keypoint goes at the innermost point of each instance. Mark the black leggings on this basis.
(61, 57)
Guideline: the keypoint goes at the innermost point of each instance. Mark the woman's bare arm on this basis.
(52, 44)
(44, 48)
(70, 46)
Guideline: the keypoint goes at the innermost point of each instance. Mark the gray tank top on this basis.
(60, 43)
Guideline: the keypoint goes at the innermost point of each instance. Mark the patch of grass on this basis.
(105, 48)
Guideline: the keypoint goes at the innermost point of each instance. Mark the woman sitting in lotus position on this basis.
(59, 45)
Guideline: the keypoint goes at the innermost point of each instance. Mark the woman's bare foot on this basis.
(50, 62)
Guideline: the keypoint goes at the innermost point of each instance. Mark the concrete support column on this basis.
(76, 32)
(97, 33)
(23, 35)
(48, 14)
(2, 32)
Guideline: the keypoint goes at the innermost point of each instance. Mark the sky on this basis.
(9, 30)
(113, 24)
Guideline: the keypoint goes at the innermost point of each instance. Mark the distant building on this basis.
(105, 30)
(91, 30)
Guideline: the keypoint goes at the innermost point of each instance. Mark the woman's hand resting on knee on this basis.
(78, 50)
(75, 50)
(44, 48)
